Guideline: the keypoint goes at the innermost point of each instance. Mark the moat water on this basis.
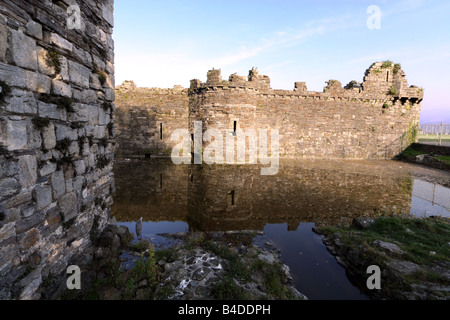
(305, 193)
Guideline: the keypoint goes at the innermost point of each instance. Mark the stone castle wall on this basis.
(56, 110)
(147, 117)
(372, 120)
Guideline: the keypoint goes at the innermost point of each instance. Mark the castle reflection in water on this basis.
(233, 197)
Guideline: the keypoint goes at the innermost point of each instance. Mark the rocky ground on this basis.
(186, 266)
(412, 253)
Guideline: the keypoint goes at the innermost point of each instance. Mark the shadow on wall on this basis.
(138, 133)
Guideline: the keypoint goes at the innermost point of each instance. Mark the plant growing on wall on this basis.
(5, 89)
(110, 127)
(107, 106)
(412, 133)
(65, 103)
(40, 123)
(54, 59)
(387, 64)
(102, 76)
(377, 71)
(351, 84)
(393, 91)
(102, 162)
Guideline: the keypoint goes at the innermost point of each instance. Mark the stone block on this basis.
(34, 221)
(79, 74)
(34, 136)
(21, 101)
(84, 56)
(74, 148)
(68, 206)
(80, 167)
(102, 117)
(27, 171)
(37, 82)
(42, 195)
(51, 111)
(85, 96)
(8, 168)
(49, 137)
(13, 134)
(31, 285)
(23, 50)
(3, 42)
(110, 67)
(8, 230)
(81, 113)
(110, 94)
(99, 62)
(99, 132)
(63, 131)
(58, 184)
(29, 239)
(28, 210)
(23, 197)
(48, 168)
(12, 75)
(388, 247)
(93, 113)
(53, 217)
(61, 88)
(34, 29)
(60, 42)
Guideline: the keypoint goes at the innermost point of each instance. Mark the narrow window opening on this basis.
(232, 197)
(161, 181)
(160, 131)
(192, 178)
(234, 127)
(387, 77)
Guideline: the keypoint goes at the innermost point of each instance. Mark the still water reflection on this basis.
(286, 206)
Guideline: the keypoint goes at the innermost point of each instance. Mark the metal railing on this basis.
(442, 128)
(437, 130)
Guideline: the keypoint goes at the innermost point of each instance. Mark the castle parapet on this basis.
(300, 87)
(214, 78)
(259, 81)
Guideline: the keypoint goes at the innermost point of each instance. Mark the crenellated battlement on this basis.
(372, 119)
(383, 80)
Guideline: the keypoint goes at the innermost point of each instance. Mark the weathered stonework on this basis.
(143, 113)
(55, 153)
(372, 120)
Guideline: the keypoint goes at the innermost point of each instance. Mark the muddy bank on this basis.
(413, 255)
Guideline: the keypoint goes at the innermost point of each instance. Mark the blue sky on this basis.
(166, 43)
